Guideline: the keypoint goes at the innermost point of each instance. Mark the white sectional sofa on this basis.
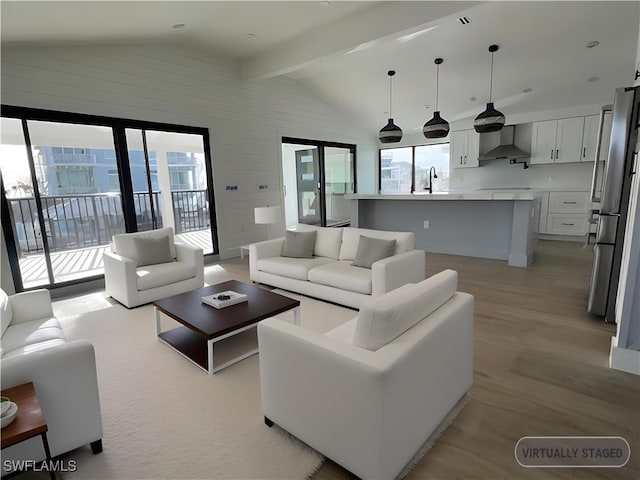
(329, 273)
(34, 349)
(369, 393)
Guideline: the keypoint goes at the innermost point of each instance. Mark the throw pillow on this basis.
(150, 251)
(384, 318)
(299, 244)
(370, 250)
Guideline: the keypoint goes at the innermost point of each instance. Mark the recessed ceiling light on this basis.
(593, 79)
(473, 99)
(593, 44)
(251, 35)
(178, 26)
(325, 4)
(527, 90)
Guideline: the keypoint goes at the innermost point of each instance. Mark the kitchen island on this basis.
(499, 224)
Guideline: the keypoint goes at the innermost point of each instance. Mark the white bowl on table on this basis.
(9, 414)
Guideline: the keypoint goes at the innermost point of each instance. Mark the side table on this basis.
(29, 421)
(244, 249)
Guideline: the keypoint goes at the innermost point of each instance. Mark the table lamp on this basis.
(268, 216)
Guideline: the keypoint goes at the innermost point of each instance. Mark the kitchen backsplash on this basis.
(499, 174)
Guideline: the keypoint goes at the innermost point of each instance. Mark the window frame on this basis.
(118, 127)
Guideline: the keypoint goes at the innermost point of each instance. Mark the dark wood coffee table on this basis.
(203, 325)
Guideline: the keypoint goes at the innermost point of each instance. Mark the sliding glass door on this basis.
(339, 170)
(308, 186)
(70, 182)
(316, 176)
(59, 200)
(169, 179)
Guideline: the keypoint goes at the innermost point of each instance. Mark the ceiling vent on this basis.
(464, 20)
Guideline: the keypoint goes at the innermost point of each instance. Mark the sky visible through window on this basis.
(396, 165)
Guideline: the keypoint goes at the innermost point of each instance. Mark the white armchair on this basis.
(34, 349)
(146, 266)
(371, 409)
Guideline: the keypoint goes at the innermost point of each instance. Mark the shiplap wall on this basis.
(175, 84)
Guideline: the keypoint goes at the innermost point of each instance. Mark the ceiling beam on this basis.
(349, 33)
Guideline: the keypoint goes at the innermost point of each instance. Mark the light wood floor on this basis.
(540, 369)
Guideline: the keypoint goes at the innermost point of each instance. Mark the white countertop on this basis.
(482, 194)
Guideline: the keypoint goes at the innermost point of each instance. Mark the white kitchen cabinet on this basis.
(591, 135)
(465, 149)
(544, 210)
(568, 213)
(557, 141)
(569, 202)
(567, 224)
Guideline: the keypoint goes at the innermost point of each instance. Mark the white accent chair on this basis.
(34, 349)
(132, 280)
(369, 393)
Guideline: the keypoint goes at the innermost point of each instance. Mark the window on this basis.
(180, 178)
(113, 181)
(77, 181)
(427, 156)
(395, 170)
(406, 169)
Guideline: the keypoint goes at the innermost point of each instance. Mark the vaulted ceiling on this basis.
(342, 50)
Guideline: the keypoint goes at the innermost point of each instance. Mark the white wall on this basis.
(173, 84)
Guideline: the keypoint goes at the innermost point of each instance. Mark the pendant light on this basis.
(491, 120)
(437, 127)
(390, 133)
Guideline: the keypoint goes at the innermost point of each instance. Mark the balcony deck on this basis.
(85, 262)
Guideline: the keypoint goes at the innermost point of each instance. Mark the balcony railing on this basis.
(79, 221)
(75, 158)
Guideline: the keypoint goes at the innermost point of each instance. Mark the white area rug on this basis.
(163, 417)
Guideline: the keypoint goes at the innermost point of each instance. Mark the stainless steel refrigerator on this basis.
(615, 186)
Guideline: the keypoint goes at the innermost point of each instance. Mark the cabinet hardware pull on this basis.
(460, 159)
(569, 203)
(465, 159)
(594, 178)
(567, 224)
(557, 153)
(551, 156)
(584, 152)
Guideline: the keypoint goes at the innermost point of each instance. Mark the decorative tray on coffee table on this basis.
(224, 299)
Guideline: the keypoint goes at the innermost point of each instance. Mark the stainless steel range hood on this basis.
(506, 149)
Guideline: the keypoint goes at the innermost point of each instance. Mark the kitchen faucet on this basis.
(432, 170)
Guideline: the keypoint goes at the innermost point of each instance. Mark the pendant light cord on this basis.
(491, 80)
(437, 80)
(390, 95)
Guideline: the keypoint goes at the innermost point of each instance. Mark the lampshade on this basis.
(266, 215)
(437, 127)
(491, 120)
(390, 133)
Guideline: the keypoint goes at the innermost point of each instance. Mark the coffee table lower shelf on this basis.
(200, 350)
